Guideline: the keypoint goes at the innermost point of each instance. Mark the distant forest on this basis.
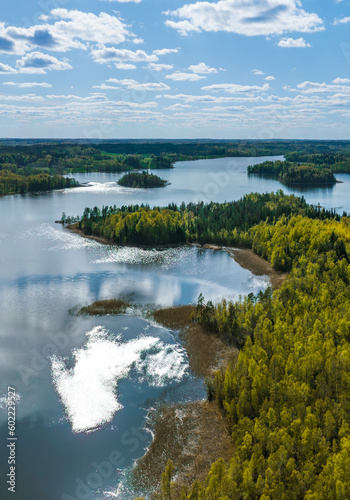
(33, 158)
(295, 173)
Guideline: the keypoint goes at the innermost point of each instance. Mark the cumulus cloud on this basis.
(122, 65)
(344, 20)
(184, 77)
(159, 67)
(270, 78)
(246, 17)
(341, 80)
(111, 54)
(133, 85)
(258, 72)
(315, 88)
(64, 30)
(37, 62)
(202, 68)
(233, 88)
(164, 52)
(293, 43)
(5, 68)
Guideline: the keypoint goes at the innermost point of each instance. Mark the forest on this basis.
(63, 158)
(142, 180)
(338, 162)
(11, 183)
(222, 223)
(32, 157)
(287, 397)
(294, 173)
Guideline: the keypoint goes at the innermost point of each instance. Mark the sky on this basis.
(226, 69)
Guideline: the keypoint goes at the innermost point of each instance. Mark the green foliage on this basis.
(166, 484)
(11, 183)
(294, 173)
(141, 180)
(223, 223)
(287, 399)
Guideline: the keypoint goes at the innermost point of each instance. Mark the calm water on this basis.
(84, 385)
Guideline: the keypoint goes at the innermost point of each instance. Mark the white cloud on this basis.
(178, 106)
(184, 77)
(159, 67)
(233, 88)
(257, 72)
(344, 20)
(247, 17)
(5, 68)
(121, 65)
(341, 80)
(293, 43)
(25, 97)
(208, 98)
(70, 30)
(111, 54)
(202, 68)
(270, 78)
(315, 88)
(24, 85)
(134, 85)
(39, 63)
(164, 52)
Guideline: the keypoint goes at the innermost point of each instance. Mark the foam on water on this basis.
(88, 389)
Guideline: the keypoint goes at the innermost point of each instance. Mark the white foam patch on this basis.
(88, 390)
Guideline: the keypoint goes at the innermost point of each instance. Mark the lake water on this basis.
(85, 385)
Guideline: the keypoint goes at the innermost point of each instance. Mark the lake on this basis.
(84, 385)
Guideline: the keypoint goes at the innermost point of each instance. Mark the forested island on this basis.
(142, 180)
(294, 173)
(11, 183)
(221, 223)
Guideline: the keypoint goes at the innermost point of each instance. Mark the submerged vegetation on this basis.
(141, 180)
(103, 307)
(294, 173)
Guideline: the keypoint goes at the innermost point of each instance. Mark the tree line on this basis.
(11, 183)
(294, 173)
(223, 223)
(141, 180)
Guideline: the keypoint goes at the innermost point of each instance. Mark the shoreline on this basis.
(245, 257)
(193, 435)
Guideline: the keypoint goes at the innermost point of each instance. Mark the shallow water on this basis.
(84, 384)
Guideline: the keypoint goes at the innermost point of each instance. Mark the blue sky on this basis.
(263, 69)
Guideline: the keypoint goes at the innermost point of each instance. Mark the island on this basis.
(294, 173)
(142, 180)
(11, 183)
